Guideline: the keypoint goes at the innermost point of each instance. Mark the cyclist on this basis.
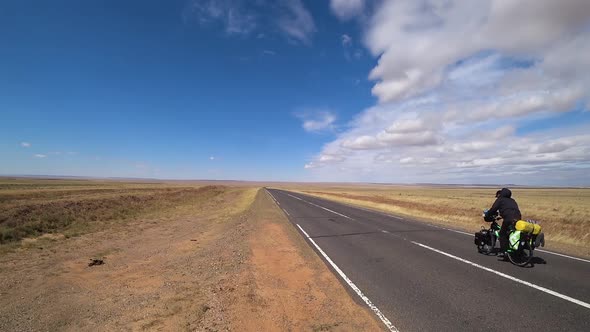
(509, 211)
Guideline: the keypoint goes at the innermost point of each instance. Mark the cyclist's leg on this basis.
(503, 237)
(504, 232)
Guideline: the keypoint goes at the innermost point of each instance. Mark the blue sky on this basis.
(136, 82)
(291, 90)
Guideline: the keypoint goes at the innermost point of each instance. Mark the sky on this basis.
(437, 91)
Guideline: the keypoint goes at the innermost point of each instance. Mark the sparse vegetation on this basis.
(31, 208)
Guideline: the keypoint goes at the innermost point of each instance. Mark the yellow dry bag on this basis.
(528, 227)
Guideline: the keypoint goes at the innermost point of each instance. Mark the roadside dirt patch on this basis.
(286, 285)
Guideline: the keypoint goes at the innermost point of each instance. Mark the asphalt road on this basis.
(420, 277)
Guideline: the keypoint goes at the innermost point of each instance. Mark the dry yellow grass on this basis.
(563, 213)
(33, 207)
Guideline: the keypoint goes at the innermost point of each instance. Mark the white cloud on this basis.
(317, 121)
(346, 40)
(350, 52)
(40, 155)
(242, 17)
(25, 144)
(346, 9)
(233, 14)
(416, 41)
(467, 93)
(297, 21)
(362, 143)
(212, 158)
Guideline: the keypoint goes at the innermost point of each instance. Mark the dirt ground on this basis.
(233, 262)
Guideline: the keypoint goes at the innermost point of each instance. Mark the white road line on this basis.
(295, 197)
(376, 310)
(541, 250)
(372, 211)
(273, 198)
(286, 212)
(448, 229)
(321, 207)
(456, 231)
(543, 289)
(562, 255)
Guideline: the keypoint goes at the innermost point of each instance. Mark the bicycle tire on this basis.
(522, 256)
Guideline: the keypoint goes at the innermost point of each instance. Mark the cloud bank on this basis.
(467, 93)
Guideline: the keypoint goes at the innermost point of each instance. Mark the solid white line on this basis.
(278, 203)
(321, 207)
(396, 217)
(374, 308)
(543, 289)
(273, 198)
(456, 231)
(562, 255)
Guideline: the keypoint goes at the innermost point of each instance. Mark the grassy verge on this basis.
(30, 208)
(563, 213)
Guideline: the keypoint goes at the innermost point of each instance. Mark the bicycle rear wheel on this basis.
(522, 256)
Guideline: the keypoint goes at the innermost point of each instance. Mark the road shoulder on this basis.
(287, 286)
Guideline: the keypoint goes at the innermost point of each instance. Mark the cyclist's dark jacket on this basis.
(506, 206)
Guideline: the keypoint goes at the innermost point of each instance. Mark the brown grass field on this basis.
(564, 214)
(31, 207)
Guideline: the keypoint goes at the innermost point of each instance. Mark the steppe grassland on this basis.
(563, 213)
(37, 207)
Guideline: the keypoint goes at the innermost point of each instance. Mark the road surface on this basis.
(420, 277)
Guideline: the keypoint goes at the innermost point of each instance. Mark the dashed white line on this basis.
(321, 207)
(448, 229)
(368, 210)
(286, 212)
(295, 197)
(543, 289)
(541, 250)
(374, 308)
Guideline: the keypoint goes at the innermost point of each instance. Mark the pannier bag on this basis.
(514, 240)
(483, 240)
